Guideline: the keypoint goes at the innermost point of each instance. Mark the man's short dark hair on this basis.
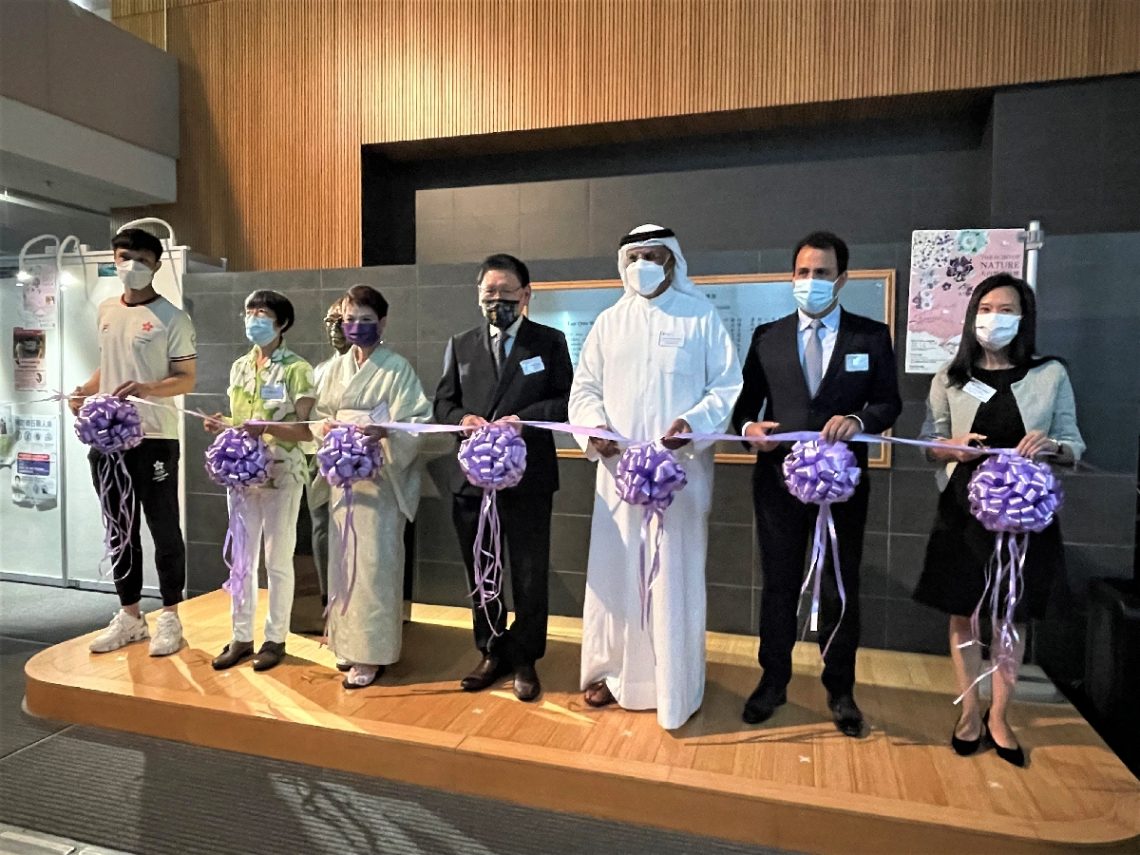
(824, 240)
(366, 295)
(276, 302)
(138, 240)
(506, 263)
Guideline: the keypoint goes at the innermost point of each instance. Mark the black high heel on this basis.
(966, 747)
(1014, 756)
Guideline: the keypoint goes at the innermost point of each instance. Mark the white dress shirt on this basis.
(512, 333)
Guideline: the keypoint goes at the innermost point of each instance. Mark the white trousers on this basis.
(269, 514)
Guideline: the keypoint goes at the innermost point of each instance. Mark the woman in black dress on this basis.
(994, 393)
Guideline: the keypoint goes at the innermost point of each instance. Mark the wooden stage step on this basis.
(793, 783)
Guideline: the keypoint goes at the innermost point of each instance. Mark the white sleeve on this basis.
(182, 341)
(586, 406)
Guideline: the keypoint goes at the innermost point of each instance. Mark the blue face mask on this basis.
(260, 331)
(813, 295)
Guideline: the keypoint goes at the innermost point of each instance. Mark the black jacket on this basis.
(469, 385)
(773, 376)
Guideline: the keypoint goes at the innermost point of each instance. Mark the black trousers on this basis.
(153, 470)
(785, 525)
(525, 526)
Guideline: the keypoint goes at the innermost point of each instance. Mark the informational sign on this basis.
(35, 477)
(29, 351)
(39, 288)
(945, 267)
(744, 303)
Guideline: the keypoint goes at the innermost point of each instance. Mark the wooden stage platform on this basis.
(793, 783)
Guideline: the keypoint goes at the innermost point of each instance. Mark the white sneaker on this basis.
(121, 631)
(167, 634)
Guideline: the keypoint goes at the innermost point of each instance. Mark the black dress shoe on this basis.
(232, 654)
(270, 654)
(487, 672)
(966, 747)
(762, 703)
(527, 686)
(1014, 756)
(847, 715)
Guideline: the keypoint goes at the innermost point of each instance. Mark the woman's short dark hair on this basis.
(138, 240)
(506, 263)
(276, 302)
(369, 297)
(1021, 350)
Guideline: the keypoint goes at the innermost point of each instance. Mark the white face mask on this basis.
(644, 276)
(813, 295)
(995, 331)
(134, 274)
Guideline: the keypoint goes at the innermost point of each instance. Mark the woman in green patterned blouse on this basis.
(269, 384)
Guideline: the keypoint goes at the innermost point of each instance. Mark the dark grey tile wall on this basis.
(744, 220)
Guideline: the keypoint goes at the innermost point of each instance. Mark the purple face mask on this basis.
(362, 333)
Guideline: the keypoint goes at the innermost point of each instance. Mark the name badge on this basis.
(273, 392)
(532, 366)
(668, 339)
(858, 362)
(380, 413)
(977, 389)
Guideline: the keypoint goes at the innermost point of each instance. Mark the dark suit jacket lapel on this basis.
(787, 341)
(520, 350)
(839, 353)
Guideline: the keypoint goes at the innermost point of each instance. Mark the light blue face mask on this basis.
(260, 331)
(813, 296)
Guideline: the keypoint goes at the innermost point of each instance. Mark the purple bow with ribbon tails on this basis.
(493, 458)
(822, 473)
(649, 476)
(346, 456)
(237, 461)
(111, 425)
(1012, 497)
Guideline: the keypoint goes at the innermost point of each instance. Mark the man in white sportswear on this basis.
(147, 348)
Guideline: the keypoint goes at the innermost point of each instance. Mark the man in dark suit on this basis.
(821, 368)
(508, 368)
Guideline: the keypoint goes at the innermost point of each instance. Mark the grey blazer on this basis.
(1044, 397)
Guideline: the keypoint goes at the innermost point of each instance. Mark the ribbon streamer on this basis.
(1012, 497)
(347, 456)
(648, 476)
(493, 458)
(112, 426)
(822, 473)
(239, 462)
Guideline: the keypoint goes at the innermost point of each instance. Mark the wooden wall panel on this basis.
(279, 95)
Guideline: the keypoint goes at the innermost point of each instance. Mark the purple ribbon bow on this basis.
(346, 456)
(493, 458)
(649, 476)
(237, 461)
(822, 473)
(111, 426)
(1012, 497)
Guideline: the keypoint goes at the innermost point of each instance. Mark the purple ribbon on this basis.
(111, 426)
(493, 458)
(822, 473)
(347, 456)
(1012, 497)
(238, 461)
(649, 476)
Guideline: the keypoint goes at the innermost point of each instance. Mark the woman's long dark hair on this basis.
(1021, 350)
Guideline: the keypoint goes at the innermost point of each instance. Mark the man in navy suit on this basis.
(821, 368)
(508, 368)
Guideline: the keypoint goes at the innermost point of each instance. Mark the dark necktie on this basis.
(500, 352)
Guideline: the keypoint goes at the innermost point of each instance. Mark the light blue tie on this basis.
(813, 357)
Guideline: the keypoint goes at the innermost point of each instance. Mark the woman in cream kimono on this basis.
(370, 384)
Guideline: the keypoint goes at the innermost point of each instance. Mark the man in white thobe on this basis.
(657, 363)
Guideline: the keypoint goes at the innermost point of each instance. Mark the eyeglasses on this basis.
(333, 320)
(495, 294)
(258, 313)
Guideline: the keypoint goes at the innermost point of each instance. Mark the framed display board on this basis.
(744, 302)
